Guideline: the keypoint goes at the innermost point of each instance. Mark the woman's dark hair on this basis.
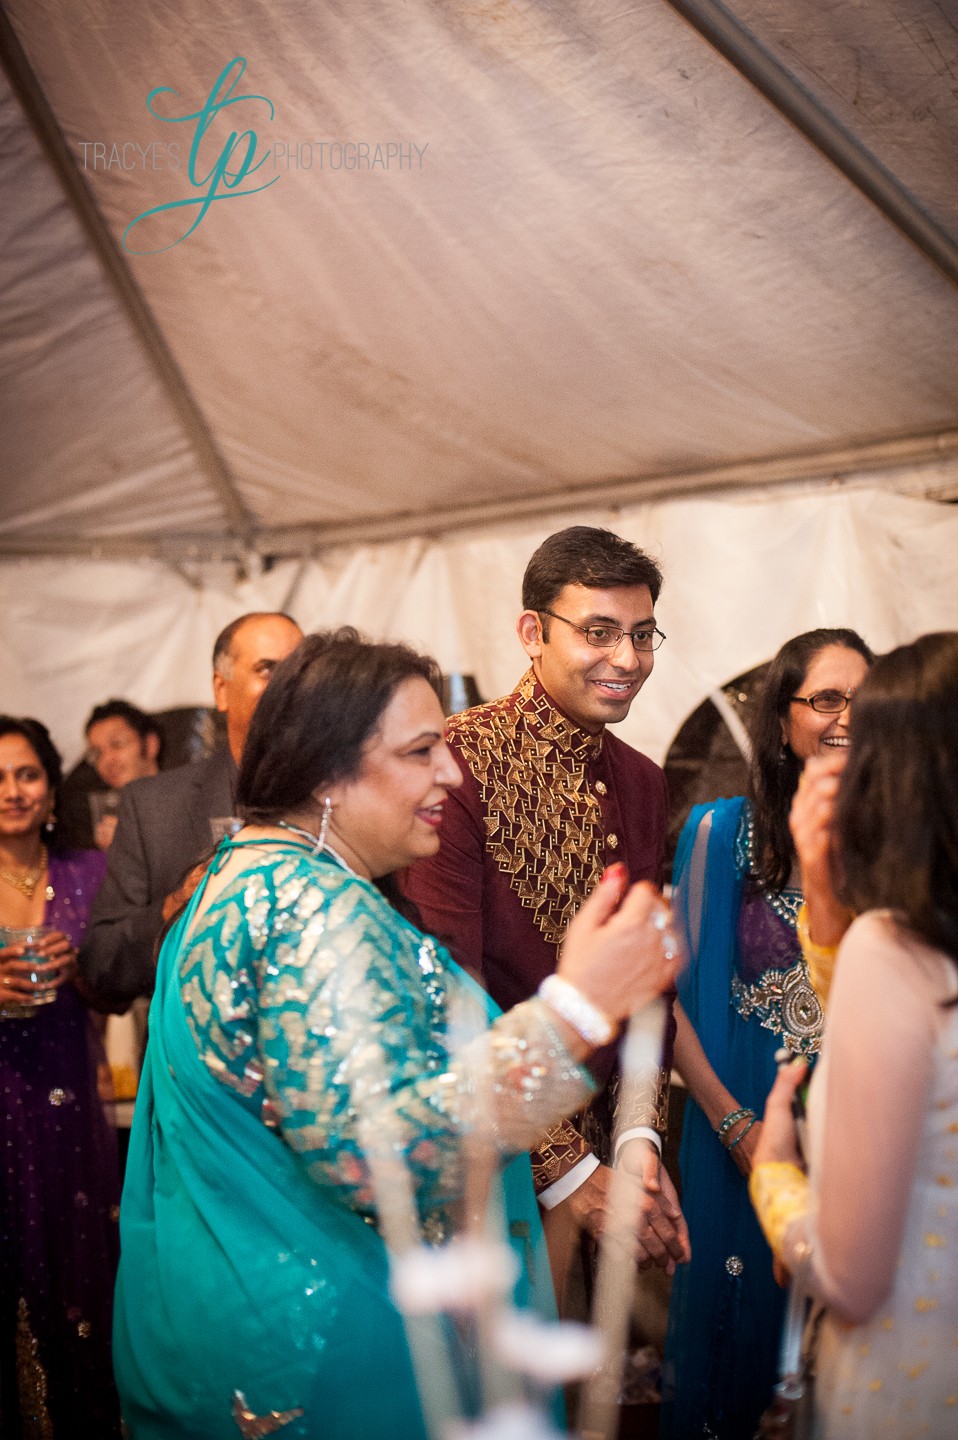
(321, 706)
(896, 819)
(775, 768)
(37, 735)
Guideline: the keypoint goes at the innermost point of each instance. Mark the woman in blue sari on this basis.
(296, 1015)
(745, 994)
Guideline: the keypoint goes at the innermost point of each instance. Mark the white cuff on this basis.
(561, 1189)
(637, 1132)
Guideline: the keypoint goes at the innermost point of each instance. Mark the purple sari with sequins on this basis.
(58, 1203)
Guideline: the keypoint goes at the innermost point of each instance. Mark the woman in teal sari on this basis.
(296, 1014)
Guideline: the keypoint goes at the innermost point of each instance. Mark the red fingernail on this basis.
(614, 872)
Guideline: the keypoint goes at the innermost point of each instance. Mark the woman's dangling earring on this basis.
(50, 823)
(324, 824)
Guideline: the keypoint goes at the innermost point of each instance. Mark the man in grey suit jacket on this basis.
(163, 827)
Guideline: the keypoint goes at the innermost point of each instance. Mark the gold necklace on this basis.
(27, 883)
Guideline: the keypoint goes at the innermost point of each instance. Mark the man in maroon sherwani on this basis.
(549, 799)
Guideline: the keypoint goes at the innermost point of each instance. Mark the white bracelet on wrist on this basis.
(584, 1017)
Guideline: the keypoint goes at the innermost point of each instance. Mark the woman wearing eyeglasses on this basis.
(744, 995)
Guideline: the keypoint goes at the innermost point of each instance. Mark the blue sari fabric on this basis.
(253, 1286)
(726, 1310)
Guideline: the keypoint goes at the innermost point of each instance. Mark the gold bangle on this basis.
(779, 1193)
(820, 959)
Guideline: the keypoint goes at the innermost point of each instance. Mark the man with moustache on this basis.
(549, 799)
(163, 826)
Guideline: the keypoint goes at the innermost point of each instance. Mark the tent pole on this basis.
(721, 28)
(26, 87)
(817, 468)
(787, 472)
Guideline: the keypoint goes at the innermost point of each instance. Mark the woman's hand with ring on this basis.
(43, 966)
(620, 951)
(15, 983)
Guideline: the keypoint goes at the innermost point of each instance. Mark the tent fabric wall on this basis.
(742, 575)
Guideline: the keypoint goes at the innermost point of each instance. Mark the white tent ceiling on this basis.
(617, 273)
(618, 280)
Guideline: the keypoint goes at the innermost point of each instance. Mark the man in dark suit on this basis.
(163, 827)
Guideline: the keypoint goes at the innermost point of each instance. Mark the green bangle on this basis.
(732, 1118)
(742, 1133)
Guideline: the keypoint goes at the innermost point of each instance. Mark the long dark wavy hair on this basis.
(775, 768)
(37, 735)
(896, 819)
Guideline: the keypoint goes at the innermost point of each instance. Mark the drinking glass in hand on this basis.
(43, 992)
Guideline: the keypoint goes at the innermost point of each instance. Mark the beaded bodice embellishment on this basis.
(320, 1008)
(523, 747)
(786, 903)
(782, 1000)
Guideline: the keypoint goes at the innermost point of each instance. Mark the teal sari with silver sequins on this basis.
(253, 1293)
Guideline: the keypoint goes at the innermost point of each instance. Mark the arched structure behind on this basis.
(708, 758)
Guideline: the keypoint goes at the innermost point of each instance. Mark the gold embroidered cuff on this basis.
(557, 1152)
(779, 1193)
(820, 959)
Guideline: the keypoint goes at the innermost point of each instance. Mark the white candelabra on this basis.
(467, 1283)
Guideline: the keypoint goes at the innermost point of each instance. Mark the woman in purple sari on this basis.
(60, 1189)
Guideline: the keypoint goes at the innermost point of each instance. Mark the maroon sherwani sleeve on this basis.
(447, 889)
